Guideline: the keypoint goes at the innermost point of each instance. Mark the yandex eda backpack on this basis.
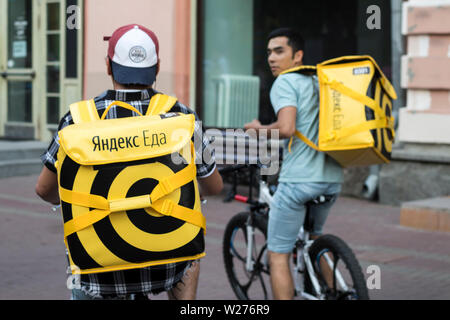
(128, 188)
(356, 126)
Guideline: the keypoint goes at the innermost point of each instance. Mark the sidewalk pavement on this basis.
(414, 264)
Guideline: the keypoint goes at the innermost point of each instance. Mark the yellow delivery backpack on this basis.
(128, 188)
(356, 126)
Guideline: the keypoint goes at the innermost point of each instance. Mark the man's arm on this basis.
(47, 186)
(212, 184)
(285, 124)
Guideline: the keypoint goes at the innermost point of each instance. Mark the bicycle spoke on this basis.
(334, 289)
(246, 275)
(234, 253)
(337, 286)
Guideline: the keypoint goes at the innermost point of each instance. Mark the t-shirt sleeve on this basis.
(48, 158)
(283, 93)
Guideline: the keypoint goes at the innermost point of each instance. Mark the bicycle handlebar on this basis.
(232, 168)
(237, 167)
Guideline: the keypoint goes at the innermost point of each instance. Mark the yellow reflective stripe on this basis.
(83, 199)
(120, 104)
(170, 208)
(160, 103)
(85, 220)
(84, 111)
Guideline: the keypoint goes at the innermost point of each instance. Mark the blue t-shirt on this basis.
(303, 163)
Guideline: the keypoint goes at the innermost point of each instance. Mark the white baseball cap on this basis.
(133, 51)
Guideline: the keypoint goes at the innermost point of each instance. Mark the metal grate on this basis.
(237, 98)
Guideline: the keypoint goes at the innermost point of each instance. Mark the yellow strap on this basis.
(299, 135)
(163, 188)
(345, 132)
(173, 182)
(365, 126)
(84, 111)
(83, 199)
(372, 104)
(160, 103)
(131, 203)
(85, 220)
(170, 208)
(120, 104)
(105, 207)
(165, 207)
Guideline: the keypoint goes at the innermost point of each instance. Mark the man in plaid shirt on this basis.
(133, 64)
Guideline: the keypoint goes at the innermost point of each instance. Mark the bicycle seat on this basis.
(309, 220)
(272, 189)
(320, 199)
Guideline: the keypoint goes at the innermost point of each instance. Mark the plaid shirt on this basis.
(144, 280)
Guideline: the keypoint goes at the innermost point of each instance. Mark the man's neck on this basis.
(118, 86)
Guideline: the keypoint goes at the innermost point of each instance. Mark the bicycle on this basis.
(318, 271)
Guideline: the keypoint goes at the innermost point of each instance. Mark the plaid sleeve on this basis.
(48, 158)
(204, 152)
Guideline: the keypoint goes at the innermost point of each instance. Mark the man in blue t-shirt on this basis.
(305, 173)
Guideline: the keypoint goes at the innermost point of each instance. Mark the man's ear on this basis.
(298, 57)
(108, 66)
(158, 66)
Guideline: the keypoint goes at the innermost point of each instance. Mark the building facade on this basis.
(52, 54)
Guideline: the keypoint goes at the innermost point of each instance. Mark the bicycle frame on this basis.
(303, 258)
(303, 261)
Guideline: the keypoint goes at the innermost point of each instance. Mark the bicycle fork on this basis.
(304, 265)
(303, 259)
(249, 264)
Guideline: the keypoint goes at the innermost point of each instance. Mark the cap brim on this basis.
(129, 75)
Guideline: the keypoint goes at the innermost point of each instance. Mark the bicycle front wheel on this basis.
(337, 269)
(247, 283)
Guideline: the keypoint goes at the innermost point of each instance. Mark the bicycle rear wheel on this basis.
(339, 273)
(247, 285)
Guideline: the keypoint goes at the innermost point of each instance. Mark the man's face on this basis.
(280, 56)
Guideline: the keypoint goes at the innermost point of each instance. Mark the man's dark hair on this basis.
(295, 39)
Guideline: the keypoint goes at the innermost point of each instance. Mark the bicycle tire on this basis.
(233, 261)
(350, 269)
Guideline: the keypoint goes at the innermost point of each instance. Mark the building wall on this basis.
(102, 17)
(426, 72)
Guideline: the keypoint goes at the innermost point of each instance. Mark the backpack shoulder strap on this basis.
(84, 111)
(306, 70)
(160, 103)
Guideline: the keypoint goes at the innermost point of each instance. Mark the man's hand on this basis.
(255, 124)
(212, 184)
(285, 124)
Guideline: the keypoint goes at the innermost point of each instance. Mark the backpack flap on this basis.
(126, 139)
